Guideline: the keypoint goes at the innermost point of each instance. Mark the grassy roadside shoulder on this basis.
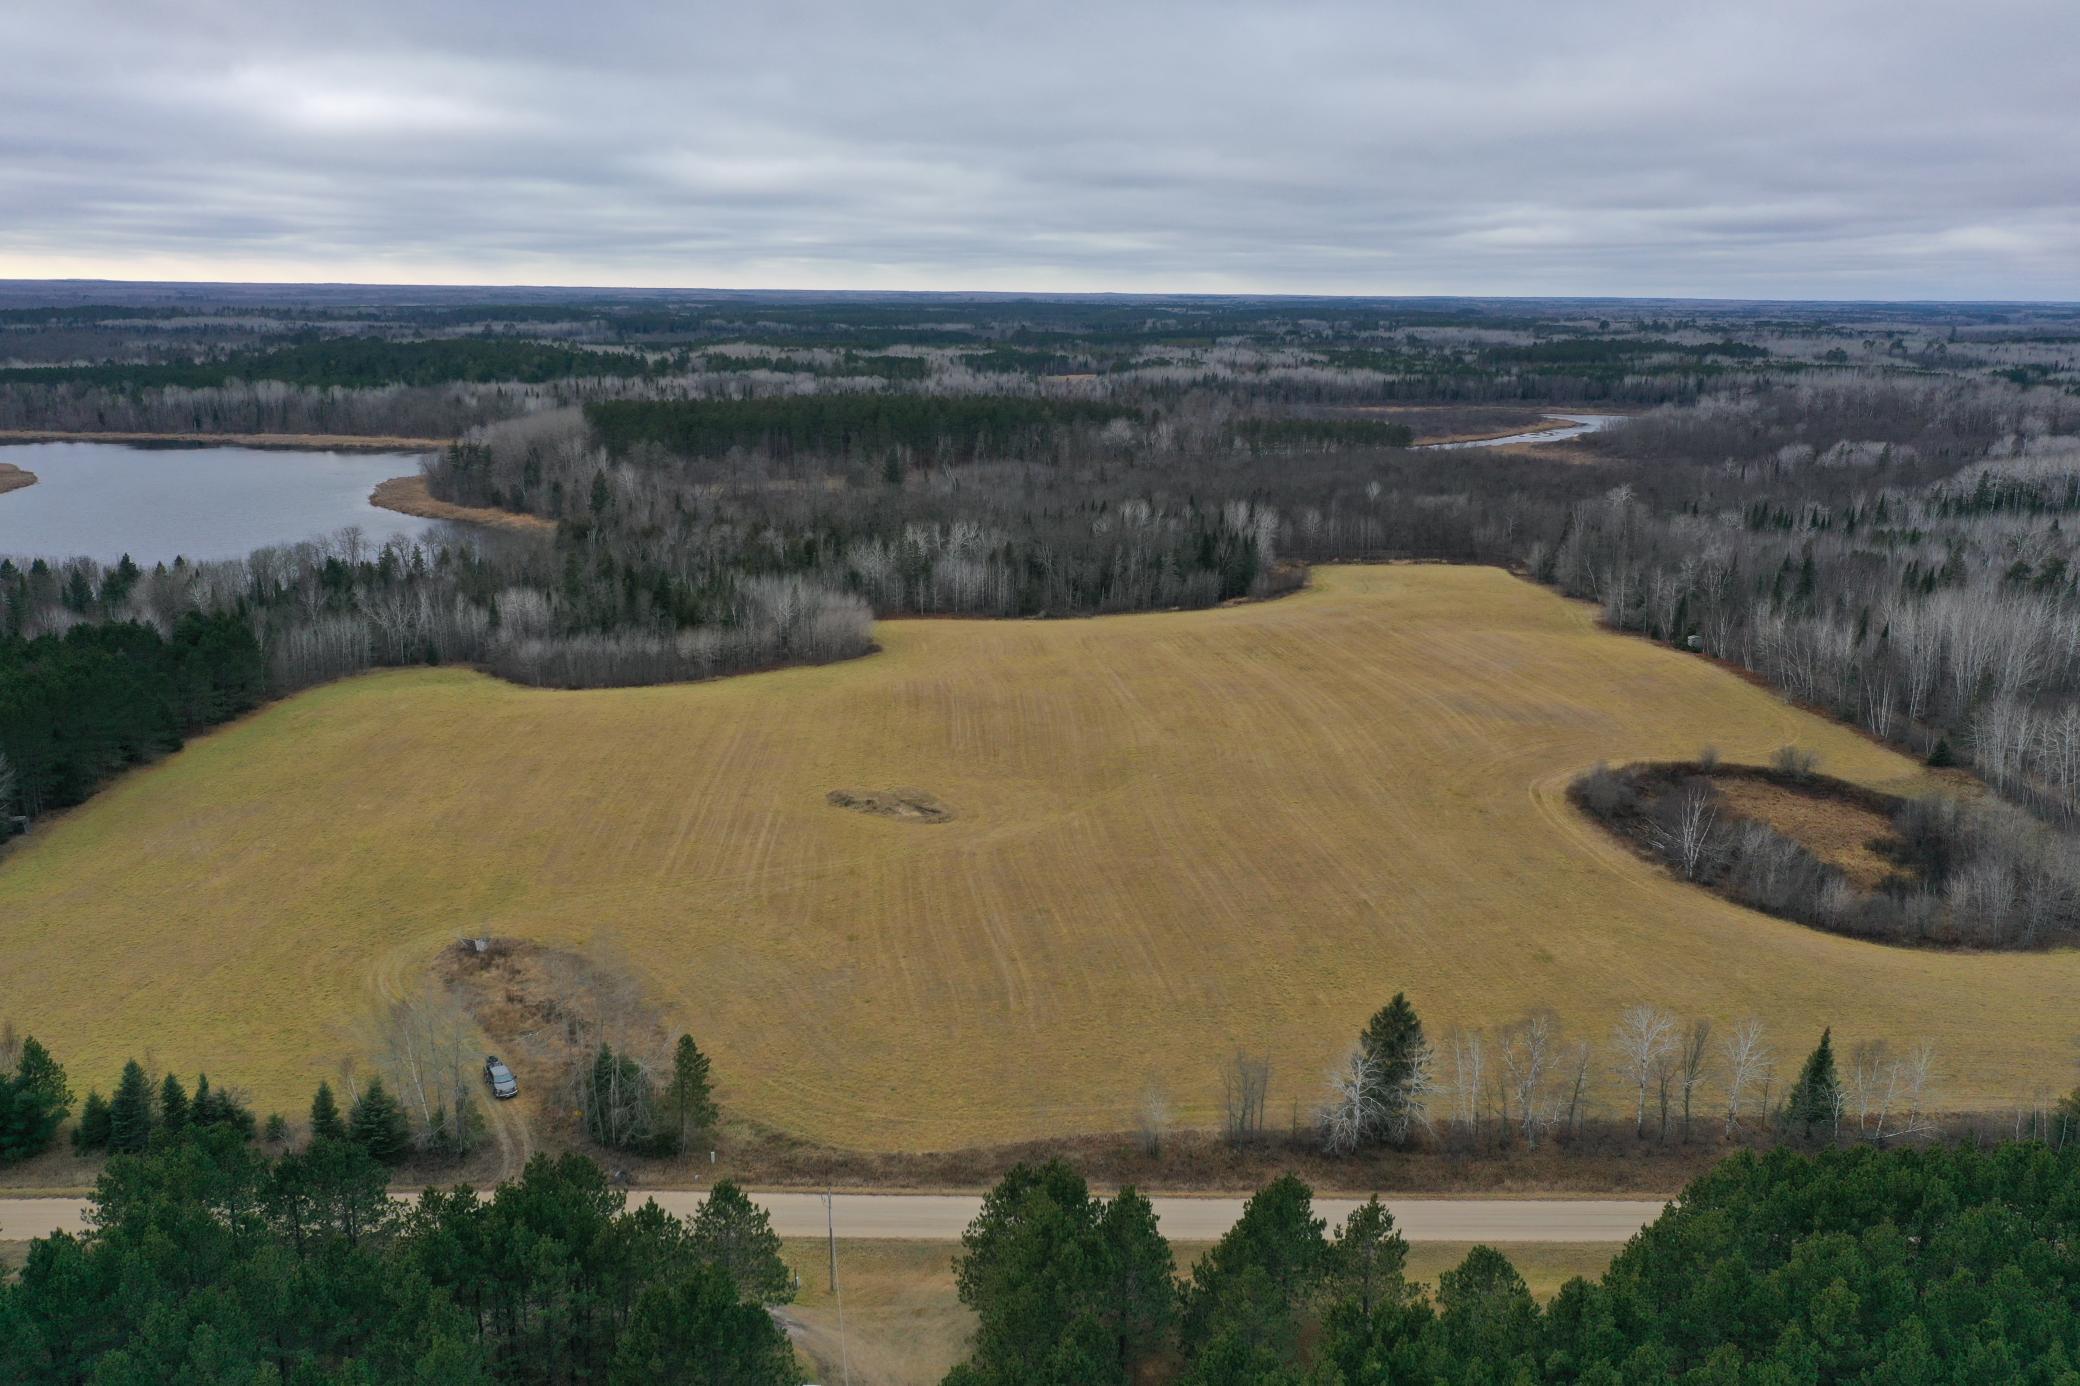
(903, 1321)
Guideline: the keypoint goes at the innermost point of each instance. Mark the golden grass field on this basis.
(1177, 833)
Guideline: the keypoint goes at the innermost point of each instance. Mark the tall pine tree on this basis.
(33, 1101)
(173, 1106)
(378, 1124)
(1815, 1101)
(690, 1099)
(1400, 1058)
(130, 1112)
(325, 1120)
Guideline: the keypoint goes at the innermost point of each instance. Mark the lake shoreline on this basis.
(408, 495)
(280, 442)
(13, 478)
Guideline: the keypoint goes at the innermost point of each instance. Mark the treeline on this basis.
(104, 667)
(211, 1261)
(429, 411)
(354, 363)
(1654, 1075)
(1921, 1265)
(77, 708)
(930, 428)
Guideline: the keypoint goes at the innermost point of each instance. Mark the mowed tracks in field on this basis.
(1178, 835)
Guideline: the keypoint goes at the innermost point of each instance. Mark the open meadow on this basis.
(1170, 835)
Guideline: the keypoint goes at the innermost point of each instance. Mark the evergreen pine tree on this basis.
(92, 1132)
(1814, 1102)
(378, 1124)
(1393, 1041)
(173, 1106)
(130, 1112)
(325, 1122)
(736, 1234)
(277, 1129)
(691, 1097)
(33, 1101)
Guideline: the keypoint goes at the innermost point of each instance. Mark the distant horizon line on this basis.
(1057, 295)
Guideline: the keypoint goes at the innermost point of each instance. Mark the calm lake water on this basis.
(104, 500)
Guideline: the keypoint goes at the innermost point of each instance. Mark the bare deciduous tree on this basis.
(1746, 1056)
(1527, 1051)
(1687, 830)
(1245, 1080)
(1888, 1093)
(1691, 1058)
(1153, 1116)
(1645, 1039)
(1352, 1110)
(1467, 1053)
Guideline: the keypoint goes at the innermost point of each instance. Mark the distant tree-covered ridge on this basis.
(932, 427)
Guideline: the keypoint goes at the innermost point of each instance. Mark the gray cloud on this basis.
(1840, 149)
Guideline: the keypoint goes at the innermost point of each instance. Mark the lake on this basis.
(104, 500)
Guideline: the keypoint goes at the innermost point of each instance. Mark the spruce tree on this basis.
(277, 1129)
(92, 1132)
(173, 1106)
(692, 1099)
(1815, 1100)
(325, 1122)
(1393, 1041)
(33, 1101)
(130, 1112)
(378, 1125)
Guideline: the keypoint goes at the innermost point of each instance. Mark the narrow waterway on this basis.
(1578, 424)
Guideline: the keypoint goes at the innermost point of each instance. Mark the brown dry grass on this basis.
(13, 478)
(1836, 831)
(903, 1319)
(1179, 834)
(905, 1325)
(408, 495)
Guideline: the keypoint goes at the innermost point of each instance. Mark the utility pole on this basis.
(830, 1223)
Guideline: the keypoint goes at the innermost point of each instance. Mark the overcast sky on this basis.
(1762, 148)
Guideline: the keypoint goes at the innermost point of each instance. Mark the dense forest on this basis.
(1897, 1266)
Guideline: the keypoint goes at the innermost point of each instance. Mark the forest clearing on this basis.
(1172, 835)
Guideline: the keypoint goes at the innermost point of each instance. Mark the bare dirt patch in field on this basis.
(545, 1011)
(905, 805)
